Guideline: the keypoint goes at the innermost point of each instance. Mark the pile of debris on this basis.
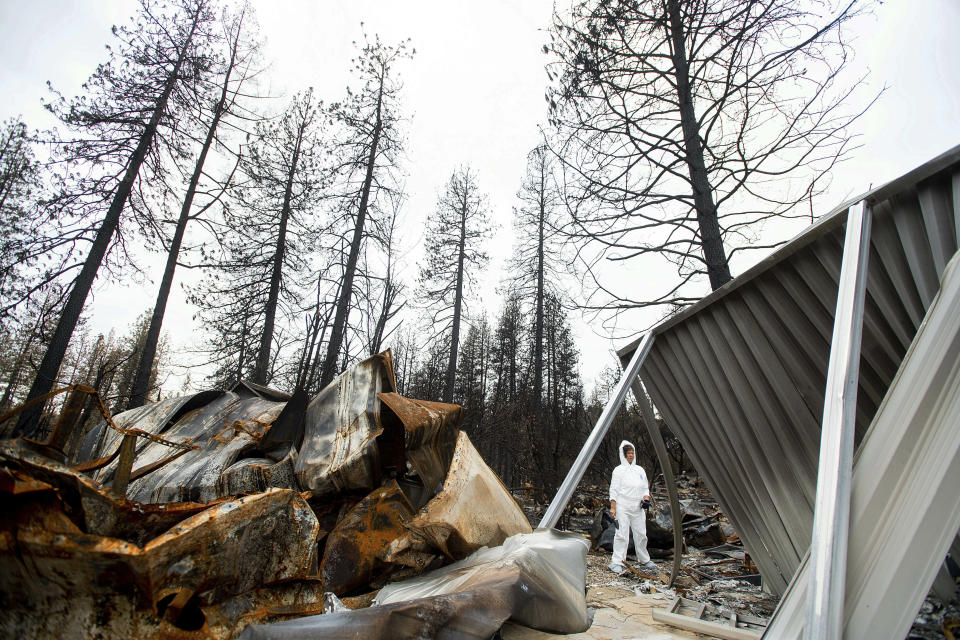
(206, 514)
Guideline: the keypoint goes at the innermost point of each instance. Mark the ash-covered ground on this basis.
(717, 574)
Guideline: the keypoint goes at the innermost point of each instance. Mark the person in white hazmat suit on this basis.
(628, 491)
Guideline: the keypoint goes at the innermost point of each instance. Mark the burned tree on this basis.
(367, 147)
(472, 382)
(19, 187)
(127, 125)
(234, 71)
(384, 291)
(681, 126)
(270, 230)
(454, 253)
(535, 265)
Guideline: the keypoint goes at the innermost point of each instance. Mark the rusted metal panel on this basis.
(175, 555)
(339, 451)
(223, 430)
(430, 435)
(473, 510)
(48, 560)
(152, 418)
(220, 552)
(354, 547)
(257, 474)
(92, 507)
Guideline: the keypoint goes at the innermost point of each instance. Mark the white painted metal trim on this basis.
(589, 449)
(828, 545)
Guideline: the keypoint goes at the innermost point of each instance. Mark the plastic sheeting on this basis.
(536, 579)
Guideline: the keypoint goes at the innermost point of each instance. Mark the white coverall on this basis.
(628, 486)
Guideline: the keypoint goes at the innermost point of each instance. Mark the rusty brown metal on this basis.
(217, 434)
(220, 543)
(430, 434)
(122, 475)
(208, 556)
(15, 483)
(354, 547)
(156, 543)
(474, 509)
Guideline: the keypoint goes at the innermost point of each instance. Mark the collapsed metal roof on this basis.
(740, 377)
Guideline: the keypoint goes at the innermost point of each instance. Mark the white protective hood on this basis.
(628, 484)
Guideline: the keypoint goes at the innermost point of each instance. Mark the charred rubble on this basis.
(220, 513)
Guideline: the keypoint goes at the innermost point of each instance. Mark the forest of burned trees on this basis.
(293, 221)
(285, 220)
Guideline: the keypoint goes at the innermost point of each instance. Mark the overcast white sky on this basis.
(474, 94)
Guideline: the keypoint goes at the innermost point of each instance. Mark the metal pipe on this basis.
(664, 458)
(596, 436)
(831, 519)
(121, 476)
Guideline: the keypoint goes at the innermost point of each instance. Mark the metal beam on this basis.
(596, 436)
(904, 503)
(664, 458)
(831, 519)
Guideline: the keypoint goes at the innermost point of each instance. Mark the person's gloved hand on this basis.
(645, 504)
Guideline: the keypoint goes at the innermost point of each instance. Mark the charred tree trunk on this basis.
(329, 370)
(538, 319)
(451, 375)
(141, 382)
(262, 367)
(14, 380)
(710, 237)
(53, 357)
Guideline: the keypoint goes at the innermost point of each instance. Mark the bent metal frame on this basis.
(922, 210)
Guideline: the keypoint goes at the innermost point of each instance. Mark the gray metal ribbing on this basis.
(740, 377)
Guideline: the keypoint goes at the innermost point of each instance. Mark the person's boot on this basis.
(649, 566)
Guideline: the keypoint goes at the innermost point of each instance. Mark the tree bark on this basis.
(14, 380)
(451, 376)
(710, 238)
(329, 370)
(53, 357)
(141, 383)
(266, 339)
(538, 319)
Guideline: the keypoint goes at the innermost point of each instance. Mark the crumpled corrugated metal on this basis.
(430, 435)
(339, 451)
(473, 510)
(249, 506)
